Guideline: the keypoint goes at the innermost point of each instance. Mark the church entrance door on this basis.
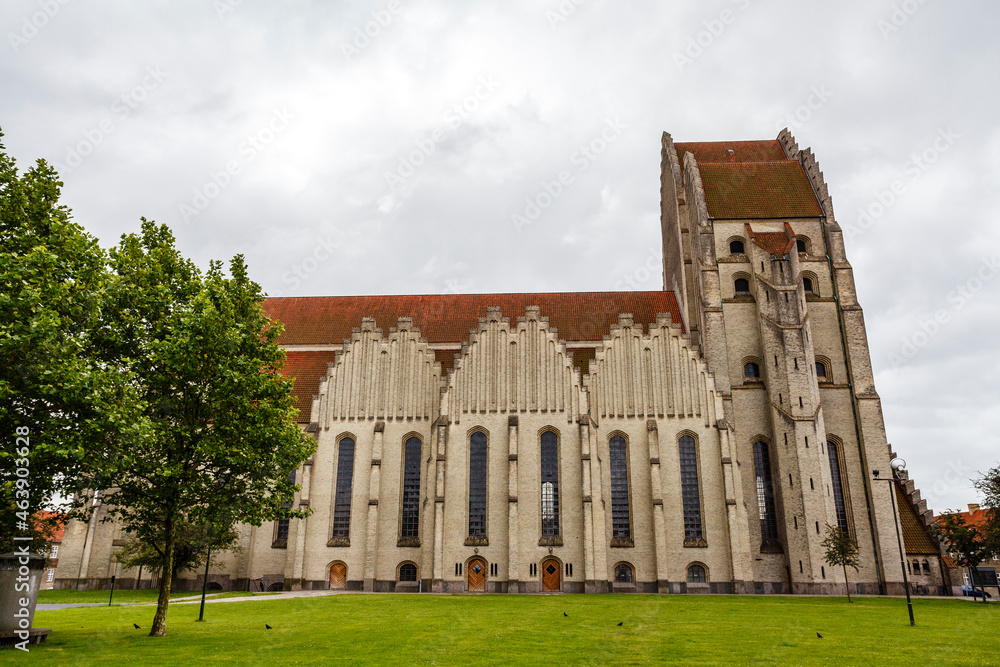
(551, 575)
(477, 575)
(338, 576)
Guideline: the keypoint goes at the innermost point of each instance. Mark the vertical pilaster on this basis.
(371, 537)
(299, 552)
(513, 535)
(440, 458)
(659, 527)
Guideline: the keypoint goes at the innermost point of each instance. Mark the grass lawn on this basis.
(510, 629)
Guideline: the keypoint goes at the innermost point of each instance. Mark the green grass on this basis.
(524, 630)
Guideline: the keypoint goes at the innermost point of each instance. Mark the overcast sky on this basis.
(385, 147)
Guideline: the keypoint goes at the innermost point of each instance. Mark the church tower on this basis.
(755, 256)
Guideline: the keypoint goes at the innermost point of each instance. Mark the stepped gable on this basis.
(443, 318)
(746, 180)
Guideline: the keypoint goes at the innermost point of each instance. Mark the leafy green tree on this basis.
(968, 543)
(57, 403)
(217, 439)
(191, 546)
(841, 550)
(988, 484)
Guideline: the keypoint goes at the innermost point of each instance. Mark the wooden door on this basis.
(477, 575)
(551, 572)
(338, 576)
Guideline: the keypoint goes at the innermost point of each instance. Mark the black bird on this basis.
(619, 625)
(819, 635)
(268, 626)
(136, 626)
(565, 614)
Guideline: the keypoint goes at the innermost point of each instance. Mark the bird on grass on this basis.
(136, 626)
(819, 635)
(268, 626)
(565, 614)
(620, 624)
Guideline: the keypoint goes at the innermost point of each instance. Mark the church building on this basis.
(697, 439)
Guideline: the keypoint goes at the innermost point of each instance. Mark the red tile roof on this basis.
(306, 369)
(916, 539)
(448, 318)
(768, 150)
(776, 243)
(749, 190)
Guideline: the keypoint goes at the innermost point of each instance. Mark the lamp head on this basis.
(875, 474)
(897, 465)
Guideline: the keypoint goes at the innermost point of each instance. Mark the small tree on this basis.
(967, 541)
(841, 550)
(988, 484)
(216, 439)
(191, 546)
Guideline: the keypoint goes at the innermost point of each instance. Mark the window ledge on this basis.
(339, 542)
(279, 544)
(477, 541)
(622, 542)
(554, 541)
(699, 543)
(408, 542)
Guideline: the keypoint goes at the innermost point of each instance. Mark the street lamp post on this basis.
(204, 583)
(896, 465)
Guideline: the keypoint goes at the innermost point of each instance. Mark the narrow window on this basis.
(765, 495)
(50, 576)
(477, 484)
(800, 245)
(620, 524)
(550, 484)
(751, 370)
(407, 572)
(696, 574)
(691, 500)
(820, 370)
(742, 286)
(623, 573)
(807, 284)
(926, 567)
(345, 480)
(838, 484)
(411, 488)
(736, 248)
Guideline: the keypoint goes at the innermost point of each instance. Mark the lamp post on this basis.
(896, 465)
(204, 583)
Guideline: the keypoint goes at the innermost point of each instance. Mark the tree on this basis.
(841, 550)
(191, 546)
(217, 439)
(57, 402)
(988, 484)
(966, 541)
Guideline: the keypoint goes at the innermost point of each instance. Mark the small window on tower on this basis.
(736, 248)
(821, 372)
(800, 245)
(751, 370)
(807, 283)
(742, 286)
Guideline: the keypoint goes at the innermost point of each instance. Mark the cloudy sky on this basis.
(387, 147)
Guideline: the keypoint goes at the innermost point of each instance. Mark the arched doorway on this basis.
(477, 575)
(551, 575)
(338, 576)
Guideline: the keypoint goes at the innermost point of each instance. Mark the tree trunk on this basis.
(847, 585)
(159, 628)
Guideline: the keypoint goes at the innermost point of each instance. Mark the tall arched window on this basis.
(621, 528)
(765, 495)
(690, 498)
(477, 484)
(550, 484)
(838, 484)
(345, 481)
(410, 524)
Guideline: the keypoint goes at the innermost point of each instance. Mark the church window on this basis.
(800, 246)
(407, 572)
(690, 497)
(765, 495)
(345, 481)
(411, 488)
(807, 285)
(751, 370)
(839, 502)
(623, 573)
(477, 484)
(736, 248)
(742, 286)
(926, 567)
(620, 521)
(550, 484)
(696, 574)
(281, 529)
